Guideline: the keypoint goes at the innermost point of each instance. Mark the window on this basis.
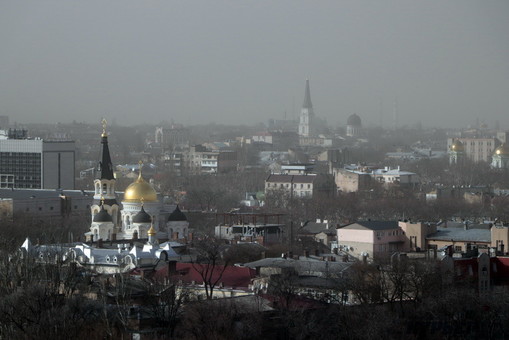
(457, 249)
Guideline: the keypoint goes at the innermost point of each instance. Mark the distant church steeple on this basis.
(307, 97)
(306, 114)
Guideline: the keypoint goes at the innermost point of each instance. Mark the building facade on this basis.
(476, 149)
(35, 163)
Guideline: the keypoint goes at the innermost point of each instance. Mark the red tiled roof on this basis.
(235, 277)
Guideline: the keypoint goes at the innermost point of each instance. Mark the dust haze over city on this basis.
(245, 62)
(254, 170)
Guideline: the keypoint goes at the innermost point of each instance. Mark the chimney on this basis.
(172, 268)
(100, 243)
(335, 251)
(317, 252)
(306, 253)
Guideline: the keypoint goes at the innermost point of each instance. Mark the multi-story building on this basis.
(353, 179)
(171, 137)
(200, 160)
(35, 163)
(475, 149)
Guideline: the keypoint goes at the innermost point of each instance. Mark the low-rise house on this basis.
(351, 180)
(462, 237)
(300, 185)
(228, 281)
(395, 176)
(372, 239)
(250, 227)
(44, 204)
(359, 178)
(320, 231)
(314, 277)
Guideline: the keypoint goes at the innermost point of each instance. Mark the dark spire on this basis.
(307, 97)
(102, 216)
(105, 166)
(142, 216)
(177, 215)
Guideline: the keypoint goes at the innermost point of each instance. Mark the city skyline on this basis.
(440, 64)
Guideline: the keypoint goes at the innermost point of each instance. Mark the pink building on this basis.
(381, 238)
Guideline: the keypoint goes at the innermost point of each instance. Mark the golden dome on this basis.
(502, 150)
(457, 146)
(139, 191)
(151, 231)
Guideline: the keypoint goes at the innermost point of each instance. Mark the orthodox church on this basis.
(456, 152)
(139, 212)
(354, 126)
(500, 158)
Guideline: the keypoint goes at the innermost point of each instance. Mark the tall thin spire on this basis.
(105, 165)
(307, 97)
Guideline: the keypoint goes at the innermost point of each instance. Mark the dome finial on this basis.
(151, 231)
(104, 122)
(102, 200)
(140, 166)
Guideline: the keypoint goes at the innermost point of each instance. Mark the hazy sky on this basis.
(446, 62)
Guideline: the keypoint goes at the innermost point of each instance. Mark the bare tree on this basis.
(211, 262)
